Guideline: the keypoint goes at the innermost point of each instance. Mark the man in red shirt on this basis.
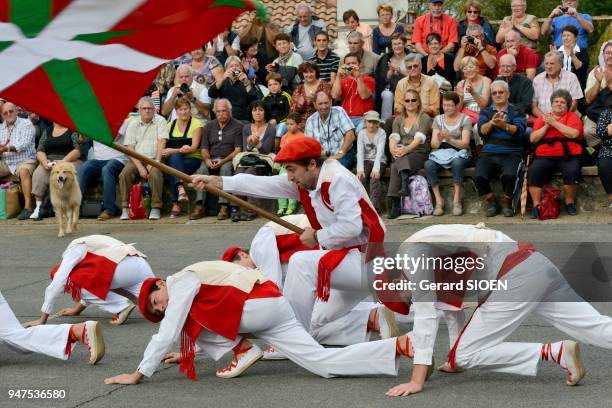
(435, 21)
(354, 89)
(527, 60)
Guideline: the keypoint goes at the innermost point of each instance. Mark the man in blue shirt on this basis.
(502, 128)
(567, 14)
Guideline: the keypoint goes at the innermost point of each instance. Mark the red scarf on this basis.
(94, 274)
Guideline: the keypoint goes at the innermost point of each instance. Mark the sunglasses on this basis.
(410, 100)
(411, 66)
(472, 12)
(498, 93)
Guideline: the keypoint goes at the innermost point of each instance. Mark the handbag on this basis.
(91, 208)
(550, 207)
(9, 202)
(136, 209)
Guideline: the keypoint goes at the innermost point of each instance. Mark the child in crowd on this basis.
(287, 62)
(288, 206)
(277, 103)
(371, 159)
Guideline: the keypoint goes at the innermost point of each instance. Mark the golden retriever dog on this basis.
(65, 196)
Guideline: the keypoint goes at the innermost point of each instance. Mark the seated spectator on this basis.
(554, 77)
(527, 60)
(575, 59)
(438, 65)
(436, 21)
(147, 135)
(474, 45)
(17, 153)
(302, 99)
(354, 89)
(225, 45)
(472, 10)
(371, 158)
(304, 30)
(257, 152)
(474, 89)
(253, 61)
(288, 206)
(206, 68)
(196, 94)
(429, 93)
(502, 128)
(600, 78)
(567, 14)
(333, 128)
(182, 152)
(278, 102)
(236, 88)
(381, 35)
(107, 163)
(324, 58)
(557, 137)
(352, 23)
(604, 162)
(287, 62)
(368, 60)
(221, 142)
(409, 144)
(450, 141)
(57, 144)
(526, 25)
(390, 70)
(521, 88)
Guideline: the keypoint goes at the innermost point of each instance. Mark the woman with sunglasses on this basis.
(525, 24)
(472, 11)
(409, 144)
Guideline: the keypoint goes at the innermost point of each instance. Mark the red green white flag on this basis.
(84, 63)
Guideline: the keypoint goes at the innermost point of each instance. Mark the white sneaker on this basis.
(386, 323)
(573, 362)
(35, 213)
(125, 215)
(273, 354)
(239, 366)
(155, 214)
(122, 316)
(94, 341)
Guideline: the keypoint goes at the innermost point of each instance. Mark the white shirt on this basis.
(201, 96)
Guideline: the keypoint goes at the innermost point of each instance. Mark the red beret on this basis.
(298, 149)
(230, 253)
(143, 300)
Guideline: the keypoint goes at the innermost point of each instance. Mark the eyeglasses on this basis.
(412, 66)
(410, 100)
(498, 93)
(472, 12)
(8, 112)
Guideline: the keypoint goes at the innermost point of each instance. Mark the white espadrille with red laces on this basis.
(92, 337)
(273, 354)
(243, 359)
(387, 326)
(122, 316)
(568, 357)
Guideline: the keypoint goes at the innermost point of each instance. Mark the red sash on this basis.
(94, 274)
(289, 244)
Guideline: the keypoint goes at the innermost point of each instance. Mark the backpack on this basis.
(419, 199)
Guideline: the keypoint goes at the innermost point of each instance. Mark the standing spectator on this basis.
(429, 93)
(557, 137)
(575, 59)
(263, 33)
(474, 89)
(332, 127)
(435, 21)
(57, 144)
(221, 142)
(236, 87)
(287, 62)
(186, 87)
(371, 158)
(182, 152)
(521, 88)
(472, 10)
(502, 127)
(302, 100)
(147, 135)
(474, 45)
(604, 162)
(225, 45)
(352, 23)
(253, 61)
(525, 24)
(206, 68)
(381, 35)
(553, 78)
(567, 14)
(304, 30)
(452, 132)
(324, 58)
(288, 206)
(18, 153)
(368, 59)
(599, 79)
(354, 89)
(526, 59)
(390, 70)
(277, 102)
(437, 64)
(409, 145)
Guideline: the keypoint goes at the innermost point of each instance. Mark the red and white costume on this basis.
(210, 303)
(93, 268)
(535, 286)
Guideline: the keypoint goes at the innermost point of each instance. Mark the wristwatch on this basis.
(340, 151)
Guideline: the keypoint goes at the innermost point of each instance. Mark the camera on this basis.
(184, 88)
(564, 9)
(471, 40)
(236, 72)
(348, 68)
(276, 66)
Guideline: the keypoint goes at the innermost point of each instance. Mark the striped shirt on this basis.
(326, 65)
(21, 136)
(146, 137)
(543, 88)
(329, 133)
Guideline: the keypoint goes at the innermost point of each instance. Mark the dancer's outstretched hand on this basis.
(172, 358)
(405, 389)
(133, 378)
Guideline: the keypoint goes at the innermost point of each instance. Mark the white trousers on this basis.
(129, 275)
(46, 339)
(273, 321)
(540, 289)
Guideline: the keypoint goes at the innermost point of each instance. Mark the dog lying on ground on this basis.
(65, 196)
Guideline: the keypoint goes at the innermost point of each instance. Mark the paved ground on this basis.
(29, 250)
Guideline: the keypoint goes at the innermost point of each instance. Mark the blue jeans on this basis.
(457, 166)
(359, 124)
(187, 165)
(91, 170)
(350, 158)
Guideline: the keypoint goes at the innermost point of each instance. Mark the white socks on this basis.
(36, 210)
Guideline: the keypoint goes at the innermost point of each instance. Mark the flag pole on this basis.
(211, 189)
